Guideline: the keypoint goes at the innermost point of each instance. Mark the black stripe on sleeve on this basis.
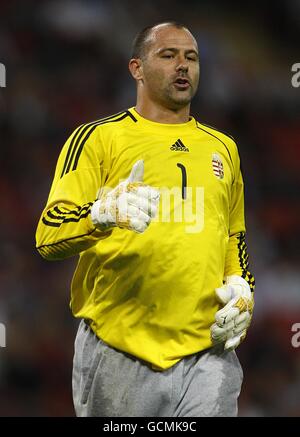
(73, 219)
(80, 147)
(76, 212)
(218, 130)
(244, 260)
(86, 128)
(67, 239)
(52, 224)
(79, 132)
(77, 144)
(65, 217)
(70, 149)
(53, 248)
(55, 217)
(209, 133)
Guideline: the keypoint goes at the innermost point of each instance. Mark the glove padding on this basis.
(233, 320)
(130, 205)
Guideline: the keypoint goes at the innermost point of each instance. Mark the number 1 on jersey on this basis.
(184, 180)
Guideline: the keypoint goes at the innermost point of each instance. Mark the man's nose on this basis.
(182, 65)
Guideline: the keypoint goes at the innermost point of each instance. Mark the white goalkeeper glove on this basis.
(130, 205)
(233, 320)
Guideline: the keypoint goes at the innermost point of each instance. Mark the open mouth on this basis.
(182, 83)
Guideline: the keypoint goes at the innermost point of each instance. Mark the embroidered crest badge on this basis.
(217, 166)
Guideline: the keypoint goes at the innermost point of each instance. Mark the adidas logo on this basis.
(178, 146)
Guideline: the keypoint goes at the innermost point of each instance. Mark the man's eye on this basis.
(167, 56)
(189, 58)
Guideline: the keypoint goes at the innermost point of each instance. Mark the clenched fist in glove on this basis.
(234, 318)
(130, 205)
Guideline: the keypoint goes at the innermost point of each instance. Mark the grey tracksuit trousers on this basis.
(110, 383)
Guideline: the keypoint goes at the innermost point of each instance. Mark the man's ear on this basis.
(136, 68)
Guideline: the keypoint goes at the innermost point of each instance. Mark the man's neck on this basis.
(160, 114)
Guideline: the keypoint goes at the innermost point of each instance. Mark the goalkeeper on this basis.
(151, 201)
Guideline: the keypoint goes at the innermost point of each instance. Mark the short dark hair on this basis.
(139, 42)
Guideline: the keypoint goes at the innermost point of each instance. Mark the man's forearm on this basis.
(237, 259)
(66, 230)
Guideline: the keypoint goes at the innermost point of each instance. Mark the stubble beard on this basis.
(178, 99)
(166, 94)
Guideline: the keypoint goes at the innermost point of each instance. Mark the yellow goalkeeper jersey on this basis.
(151, 295)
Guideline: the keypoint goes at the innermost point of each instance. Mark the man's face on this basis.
(171, 67)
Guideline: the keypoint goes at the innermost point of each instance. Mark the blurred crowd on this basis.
(66, 64)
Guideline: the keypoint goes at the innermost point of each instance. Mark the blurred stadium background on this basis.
(66, 64)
